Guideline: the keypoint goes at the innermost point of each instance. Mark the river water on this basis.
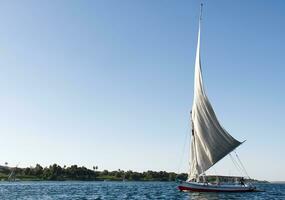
(122, 190)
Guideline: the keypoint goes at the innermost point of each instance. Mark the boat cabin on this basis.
(218, 179)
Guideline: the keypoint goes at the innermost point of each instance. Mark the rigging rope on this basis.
(183, 151)
(236, 164)
(242, 165)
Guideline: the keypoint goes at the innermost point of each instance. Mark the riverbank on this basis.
(57, 173)
(75, 173)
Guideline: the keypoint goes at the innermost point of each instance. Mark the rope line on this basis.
(242, 165)
(236, 164)
(183, 151)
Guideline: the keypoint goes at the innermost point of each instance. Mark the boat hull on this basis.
(208, 187)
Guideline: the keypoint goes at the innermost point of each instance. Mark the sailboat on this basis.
(12, 175)
(210, 142)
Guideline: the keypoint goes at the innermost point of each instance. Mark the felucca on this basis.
(210, 142)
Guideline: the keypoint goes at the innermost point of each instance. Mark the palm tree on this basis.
(95, 168)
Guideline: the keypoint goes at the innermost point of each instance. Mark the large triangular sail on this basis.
(210, 141)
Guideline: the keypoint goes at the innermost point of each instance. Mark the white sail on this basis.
(210, 141)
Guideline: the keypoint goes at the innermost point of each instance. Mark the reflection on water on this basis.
(203, 196)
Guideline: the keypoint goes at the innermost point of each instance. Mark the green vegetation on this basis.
(57, 173)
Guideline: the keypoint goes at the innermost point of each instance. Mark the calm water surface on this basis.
(123, 190)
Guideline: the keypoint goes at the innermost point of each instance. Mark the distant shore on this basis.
(278, 182)
(57, 173)
(75, 173)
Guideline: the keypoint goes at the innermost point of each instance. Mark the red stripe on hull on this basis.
(183, 188)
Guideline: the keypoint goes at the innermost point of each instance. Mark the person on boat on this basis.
(242, 181)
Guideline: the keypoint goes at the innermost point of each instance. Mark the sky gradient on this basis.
(110, 83)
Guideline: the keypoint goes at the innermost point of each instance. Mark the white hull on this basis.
(209, 187)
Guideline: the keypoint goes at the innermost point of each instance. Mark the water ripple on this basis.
(123, 190)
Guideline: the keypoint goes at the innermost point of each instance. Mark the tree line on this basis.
(57, 173)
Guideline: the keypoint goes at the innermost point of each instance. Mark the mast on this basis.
(210, 141)
(194, 164)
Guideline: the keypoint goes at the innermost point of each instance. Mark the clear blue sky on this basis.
(110, 83)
